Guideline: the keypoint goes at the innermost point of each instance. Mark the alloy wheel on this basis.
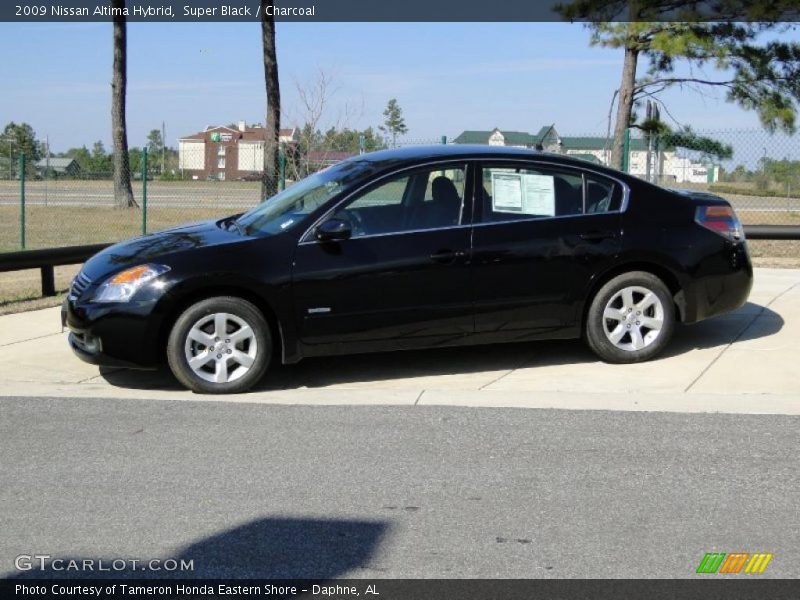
(633, 318)
(220, 347)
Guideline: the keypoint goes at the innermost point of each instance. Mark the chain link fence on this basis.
(63, 205)
(756, 171)
(56, 203)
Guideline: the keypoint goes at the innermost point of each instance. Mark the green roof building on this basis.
(496, 137)
(670, 165)
(597, 143)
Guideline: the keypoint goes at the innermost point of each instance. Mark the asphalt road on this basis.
(280, 491)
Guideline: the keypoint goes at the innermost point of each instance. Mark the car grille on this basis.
(79, 285)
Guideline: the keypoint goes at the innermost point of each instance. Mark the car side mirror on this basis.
(333, 230)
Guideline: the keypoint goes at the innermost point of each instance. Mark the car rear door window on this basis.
(514, 192)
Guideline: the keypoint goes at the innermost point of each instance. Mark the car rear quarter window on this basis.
(602, 195)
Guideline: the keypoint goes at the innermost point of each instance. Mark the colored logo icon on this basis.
(735, 562)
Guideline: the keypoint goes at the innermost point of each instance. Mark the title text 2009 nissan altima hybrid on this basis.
(414, 248)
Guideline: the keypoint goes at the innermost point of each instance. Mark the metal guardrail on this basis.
(48, 258)
(772, 232)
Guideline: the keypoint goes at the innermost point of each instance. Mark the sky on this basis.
(447, 77)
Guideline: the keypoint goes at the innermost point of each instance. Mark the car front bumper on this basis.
(113, 335)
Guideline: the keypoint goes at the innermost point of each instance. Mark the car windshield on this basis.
(286, 209)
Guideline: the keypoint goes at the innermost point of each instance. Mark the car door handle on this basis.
(447, 256)
(597, 236)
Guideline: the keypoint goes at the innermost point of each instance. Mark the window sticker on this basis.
(539, 194)
(523, 193)
(506, 192)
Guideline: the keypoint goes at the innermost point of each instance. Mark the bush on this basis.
(175, 176)
(749, 191)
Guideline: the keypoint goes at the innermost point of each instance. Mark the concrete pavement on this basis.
(745, 362)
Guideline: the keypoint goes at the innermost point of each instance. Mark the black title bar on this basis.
(710, 588)
(404, 11)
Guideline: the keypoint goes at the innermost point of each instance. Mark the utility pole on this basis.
(684, 159)
(163, 146)
(654, 142)
(648, 140)
(46, 165)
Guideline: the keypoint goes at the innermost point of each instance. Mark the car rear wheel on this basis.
(220, 345)
(631, 318)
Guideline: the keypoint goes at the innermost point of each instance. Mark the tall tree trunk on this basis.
(269, 180)
(123, 194)
(625, 106)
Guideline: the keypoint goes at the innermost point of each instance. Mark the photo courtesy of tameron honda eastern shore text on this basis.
(414, 248)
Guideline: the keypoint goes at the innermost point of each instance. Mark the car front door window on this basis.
(419, 201)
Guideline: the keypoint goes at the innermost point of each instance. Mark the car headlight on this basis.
(122, 286)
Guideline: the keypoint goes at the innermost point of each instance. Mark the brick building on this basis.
(227, 153)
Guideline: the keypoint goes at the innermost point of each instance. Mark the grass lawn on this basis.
(21, 290)
(48, 227)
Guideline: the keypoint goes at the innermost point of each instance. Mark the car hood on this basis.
(156, 246)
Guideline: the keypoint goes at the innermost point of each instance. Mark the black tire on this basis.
(256, 347)
(597, 324)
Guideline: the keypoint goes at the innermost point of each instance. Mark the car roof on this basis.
(421, 153)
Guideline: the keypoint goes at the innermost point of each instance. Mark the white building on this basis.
(671, 167)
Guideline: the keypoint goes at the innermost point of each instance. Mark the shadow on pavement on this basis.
(363, 368)
(269, 548)
(751, 322)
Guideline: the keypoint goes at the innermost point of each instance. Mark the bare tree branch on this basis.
(667, 81)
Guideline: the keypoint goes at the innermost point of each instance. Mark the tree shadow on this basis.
(750, 322)
(268, 548)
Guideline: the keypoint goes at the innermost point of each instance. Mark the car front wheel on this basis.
(631, 318)
(220, 345)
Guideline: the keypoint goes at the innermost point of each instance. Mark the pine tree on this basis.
(393, 122)
(758, 75)
(269, 180)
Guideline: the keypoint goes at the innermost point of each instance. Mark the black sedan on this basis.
(414, 248)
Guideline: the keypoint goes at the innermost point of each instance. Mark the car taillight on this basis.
(720, 219)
